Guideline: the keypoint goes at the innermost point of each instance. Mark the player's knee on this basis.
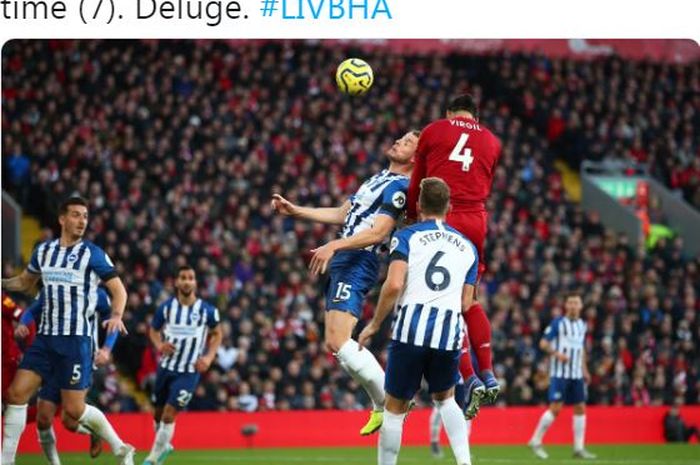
(43, 421)
(579, 409)
(335, 340)
(16, 395)
(70, 423)
(555, 409)
(74, 410)
(168, 415)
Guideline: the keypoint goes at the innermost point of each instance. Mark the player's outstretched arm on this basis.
(391, 289)
(334, 215)
(24, 282)
(382, 227)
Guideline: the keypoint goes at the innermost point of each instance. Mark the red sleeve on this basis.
(10, 309)
(419, 170)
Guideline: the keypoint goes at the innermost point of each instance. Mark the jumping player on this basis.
(368, 218)
(464, 153)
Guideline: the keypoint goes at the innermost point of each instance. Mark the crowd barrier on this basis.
(510, 425)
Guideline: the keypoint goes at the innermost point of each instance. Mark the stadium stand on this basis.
(179, 146)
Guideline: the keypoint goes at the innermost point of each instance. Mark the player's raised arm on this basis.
(333, 215)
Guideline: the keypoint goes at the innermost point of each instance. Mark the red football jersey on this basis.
(10, 313)
(463, 153)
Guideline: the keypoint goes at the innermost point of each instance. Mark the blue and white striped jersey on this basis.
(186, 328)
(384, 193)
(440, 261)
(103, 310)
(71, 276)
(568, 337)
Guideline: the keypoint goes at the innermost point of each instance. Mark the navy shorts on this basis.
(353, 273)
(408, 364)
(174, 388)
(569, 391)
(64, 361)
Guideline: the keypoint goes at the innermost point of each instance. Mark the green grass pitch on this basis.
(481, 455)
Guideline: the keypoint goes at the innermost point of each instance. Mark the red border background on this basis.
(512, 425)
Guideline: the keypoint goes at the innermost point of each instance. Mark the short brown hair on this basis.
(434, 196)
(572, 295)
(74, 200)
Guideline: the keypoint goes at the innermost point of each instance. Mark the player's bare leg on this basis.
(46, 410)
(358, 363)
(23, 387)
(579, 427)
(165, 430)
(94, 420)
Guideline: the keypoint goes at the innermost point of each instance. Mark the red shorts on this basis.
(473, 225)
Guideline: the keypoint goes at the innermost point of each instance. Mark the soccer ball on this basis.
(354, 76)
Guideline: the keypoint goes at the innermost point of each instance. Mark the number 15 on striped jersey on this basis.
(461, 153)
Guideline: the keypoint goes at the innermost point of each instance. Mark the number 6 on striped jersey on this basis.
(461, 153)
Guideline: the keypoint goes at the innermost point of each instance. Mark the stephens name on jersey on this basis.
(440, 261)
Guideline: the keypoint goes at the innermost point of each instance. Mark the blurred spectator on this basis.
(675, 429)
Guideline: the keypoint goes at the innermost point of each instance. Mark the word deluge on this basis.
(335, 9)
(213, 11)
(33, 9)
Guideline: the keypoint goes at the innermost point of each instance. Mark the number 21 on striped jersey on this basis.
(461, 153)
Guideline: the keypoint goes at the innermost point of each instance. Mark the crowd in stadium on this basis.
(180, 145)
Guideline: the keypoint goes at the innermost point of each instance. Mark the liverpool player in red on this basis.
(463, 152)
(11, 352)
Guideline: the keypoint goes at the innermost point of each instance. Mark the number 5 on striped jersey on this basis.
(461, 153)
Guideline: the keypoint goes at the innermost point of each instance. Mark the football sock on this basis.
(15, 419)
(364, 368)
(390, 438)
(82, 430)
(479, 330)
(579, 425)
(456, 429)
(47, 439)
(543, 425)
(163, 437)
(466, 369)
(435, 425)
(96, 422)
